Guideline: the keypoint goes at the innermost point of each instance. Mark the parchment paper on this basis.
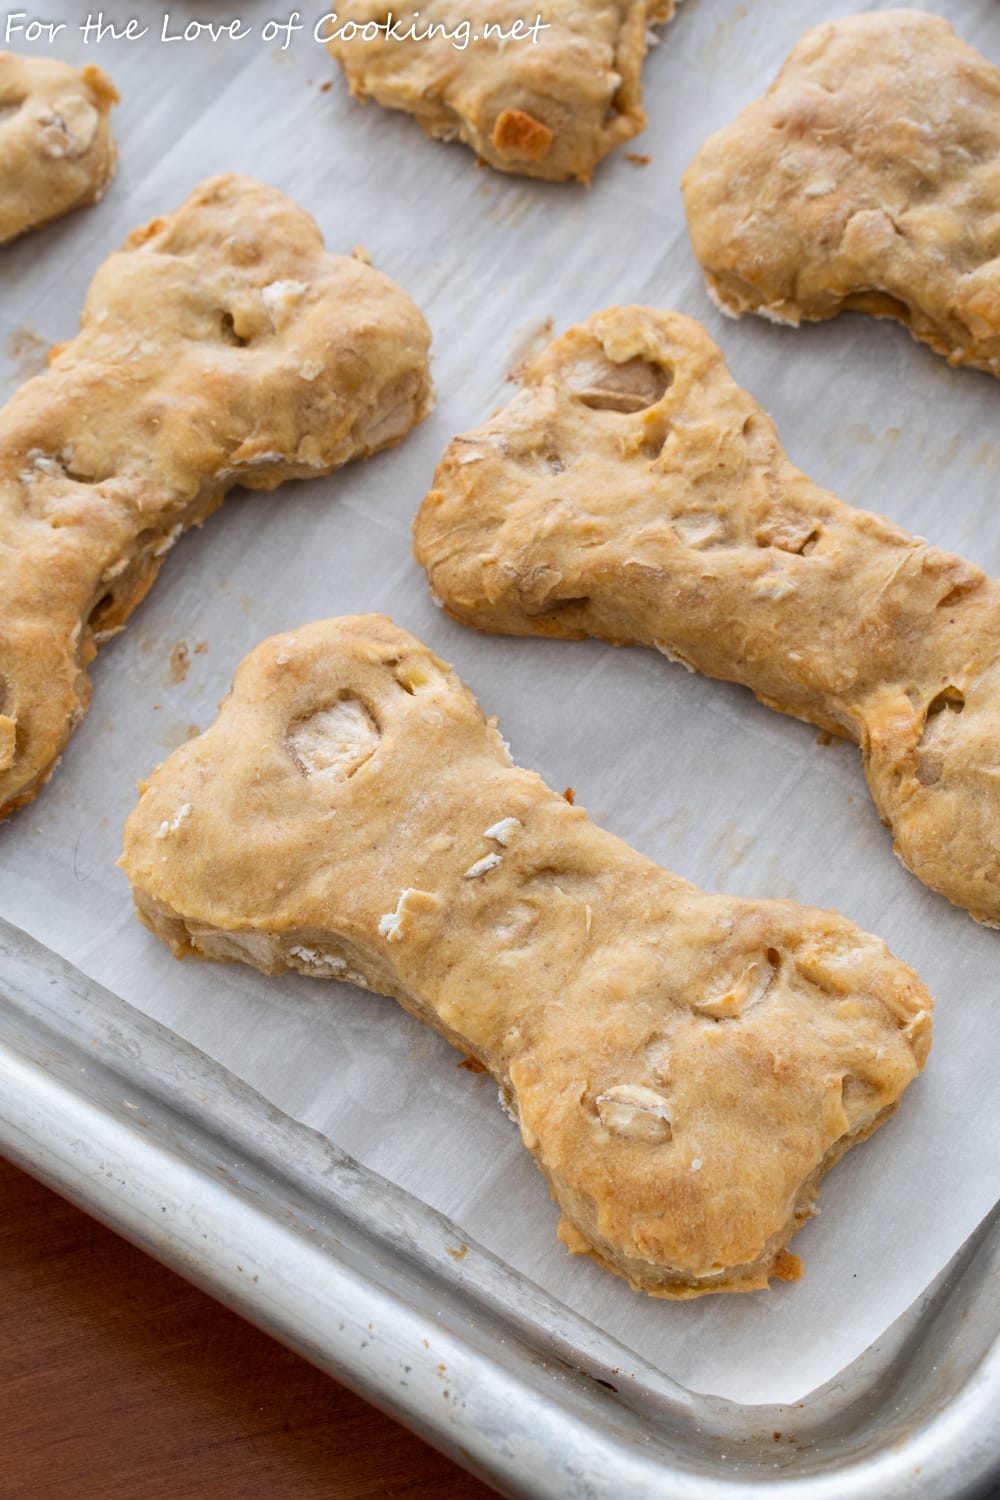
(690, 771)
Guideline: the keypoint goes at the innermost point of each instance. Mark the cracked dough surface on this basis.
(867, 177)
(57, 152)
(633, 491)
(549, 109)
(221, 345)
(683, 1067)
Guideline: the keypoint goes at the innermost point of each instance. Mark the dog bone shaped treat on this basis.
(867, 177)
(221, 346)
(683, 1067)
(549, 106)
(56, 148)
(633, 491)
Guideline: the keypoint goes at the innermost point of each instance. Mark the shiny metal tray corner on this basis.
(162, 1144)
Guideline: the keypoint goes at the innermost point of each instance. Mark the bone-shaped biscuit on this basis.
(550, 106)
(633, 491)
(867, 177)
(221, 346)
(683, 1067)
(57, 152)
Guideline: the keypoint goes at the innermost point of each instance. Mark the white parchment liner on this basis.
(692, 772)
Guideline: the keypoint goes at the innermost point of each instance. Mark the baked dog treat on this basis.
(683, 1067)
(865, 178)
(633, 491)
(550, 107)
(220, 346)
(56, 148)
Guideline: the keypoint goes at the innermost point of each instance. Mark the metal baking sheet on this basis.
(692, 772)
(159, 1141)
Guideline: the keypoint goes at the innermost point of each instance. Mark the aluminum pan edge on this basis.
(166, 1147)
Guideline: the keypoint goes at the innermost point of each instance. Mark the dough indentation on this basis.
(334, 742)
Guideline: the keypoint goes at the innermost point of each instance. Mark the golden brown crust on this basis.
(549, 108)
(865, 178)
(222, 345)
(57, 152)
(683, 1067)
(633, 491)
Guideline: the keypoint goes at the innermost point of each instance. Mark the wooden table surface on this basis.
(119, 1381)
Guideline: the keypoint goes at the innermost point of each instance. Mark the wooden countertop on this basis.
(119, 1381)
